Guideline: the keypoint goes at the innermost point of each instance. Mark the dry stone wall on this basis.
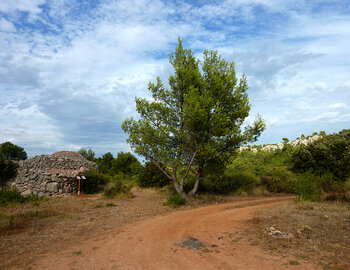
(50, 175)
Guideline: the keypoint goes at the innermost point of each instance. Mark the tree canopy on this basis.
(126, 163)
(8, 170)
(11, 151)
(195, 123)
(88, 154)
(330, 154)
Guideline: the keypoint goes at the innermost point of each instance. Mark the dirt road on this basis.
(203, 238)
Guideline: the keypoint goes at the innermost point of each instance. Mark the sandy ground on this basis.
(161, 243)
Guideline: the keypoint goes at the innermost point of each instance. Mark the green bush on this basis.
(126, 163)
(11, 195)
(328, 155)
(152, 176)
(94, 182)
(279, 179)
(8, 170)
(175, 200)
(118, 189)
(231, 181)
(308, 187)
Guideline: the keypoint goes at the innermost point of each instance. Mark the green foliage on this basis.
(308, 187)
(330, 154)
(231, 181)
(272, 167)
(152, 176)
(105, 163)
(8, 170)
(11, 195)
(345, 133)
(94, 182)
(323, 133)
(279, 179)
(119, 189)
(11, 151)
(285, 140)
(175, 200)
(88, 154)
(195, 121)
(262, 162)
(126, 163)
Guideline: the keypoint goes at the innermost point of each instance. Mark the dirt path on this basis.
(203, 238)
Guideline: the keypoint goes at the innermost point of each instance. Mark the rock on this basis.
(43, 184)
(51, 187)
(276, 233)
(33, 176)
(27, 192)
(274, 147)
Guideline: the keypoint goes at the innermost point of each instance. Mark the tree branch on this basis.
(160, 167)
(189, 167)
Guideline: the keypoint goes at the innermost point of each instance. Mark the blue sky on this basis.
(70, 70)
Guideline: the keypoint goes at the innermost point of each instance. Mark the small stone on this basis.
(27, 192)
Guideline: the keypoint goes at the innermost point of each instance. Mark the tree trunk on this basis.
(196, 184)
(179, 188)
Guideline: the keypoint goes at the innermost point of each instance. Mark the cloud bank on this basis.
(70, 70)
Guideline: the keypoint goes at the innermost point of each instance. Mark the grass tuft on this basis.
(291, 262)
(175, 200)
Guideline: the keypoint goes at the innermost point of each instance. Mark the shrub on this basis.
(8, 170)
(94, 181)
(118, 189)
(262, 162)
(11, 195)
(152, 176)
(330, 154)
(175, 200)
(231, 181)
(308, 187)
(279, 179)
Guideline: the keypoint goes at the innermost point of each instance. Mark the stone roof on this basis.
(64, 162)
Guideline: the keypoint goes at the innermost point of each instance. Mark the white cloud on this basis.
(337, 106)
(77, 73)
(32, 6)
(6, 26)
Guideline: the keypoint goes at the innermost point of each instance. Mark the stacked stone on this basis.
(50, 175)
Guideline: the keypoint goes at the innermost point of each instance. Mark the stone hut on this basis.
(49, 175)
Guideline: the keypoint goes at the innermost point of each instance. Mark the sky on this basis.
(70, 70)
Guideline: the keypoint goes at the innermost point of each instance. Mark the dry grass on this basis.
(318, 232)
